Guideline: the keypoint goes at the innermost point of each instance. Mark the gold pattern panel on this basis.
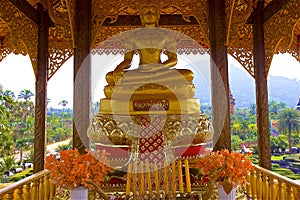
(111, 40)
(237, 13)
(111, 9)
(59, 51)
(245, 58)
(57, 58)
(122, 129)
(5, 40)
(294, 48)
(61, 37)
(4, 52)
(279, 30)
(23, 31)
(62, 14)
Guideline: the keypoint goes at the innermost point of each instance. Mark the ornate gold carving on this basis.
(241, 10)
(102, 10)
(180, 130)
(294, 48)
(23, 32)
(5, 41)
(61, 37)
(245, 58)
(111, 40)
(145, 104)
(58, 55)
(105, 130)
(4, 52)
(279, 30)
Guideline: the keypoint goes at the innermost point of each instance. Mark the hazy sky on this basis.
(16, 74)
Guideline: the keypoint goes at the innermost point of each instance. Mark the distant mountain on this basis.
(242, 86)
(280, 88)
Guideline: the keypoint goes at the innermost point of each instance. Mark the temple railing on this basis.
(38, 187)
(265, 184)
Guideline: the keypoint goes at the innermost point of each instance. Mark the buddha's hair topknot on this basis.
(156, 3)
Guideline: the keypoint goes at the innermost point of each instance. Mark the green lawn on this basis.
(276, 167)
(21, 175)
(279, 157)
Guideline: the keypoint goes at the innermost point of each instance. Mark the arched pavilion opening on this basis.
(50, 32)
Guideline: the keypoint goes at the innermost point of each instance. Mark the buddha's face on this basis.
(149, 15)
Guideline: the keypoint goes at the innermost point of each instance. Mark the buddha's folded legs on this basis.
(160, 77)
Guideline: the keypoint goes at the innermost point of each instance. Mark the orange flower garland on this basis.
(223, 166)
(74, 169)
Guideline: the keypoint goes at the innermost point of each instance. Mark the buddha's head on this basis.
(149, 12)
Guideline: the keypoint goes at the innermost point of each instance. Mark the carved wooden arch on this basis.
(58, 55)
(23, 33)
(279, 37)
(294, 48)
(61, 37)
(279, 31)
(5, 40)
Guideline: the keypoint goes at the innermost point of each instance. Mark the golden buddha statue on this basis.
(155, 84)
(154, 92)
(150, 42)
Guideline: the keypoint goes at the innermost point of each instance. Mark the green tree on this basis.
(252, 132)
(6, 139)
(27, 105)
(273, 107)
(6, 142)
(64, 103)
(252, 109)
(279, 142)
(236, 127)
(30, 156)
(235, 142)
(25, 94)
(7, 164)
(9, 98)
(289, 121)
(63, 147)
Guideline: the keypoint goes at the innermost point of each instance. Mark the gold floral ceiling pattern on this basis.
(18, 33)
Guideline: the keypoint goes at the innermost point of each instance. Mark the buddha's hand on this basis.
(117, 74)
(152, 67)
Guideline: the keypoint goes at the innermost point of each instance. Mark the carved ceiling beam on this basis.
(134, 20)
(270, 10)
(273, 7)
(229, 21)
(27, 9)
(23, 31)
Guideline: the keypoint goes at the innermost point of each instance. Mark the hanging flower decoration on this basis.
(74, 169)
(223, 167)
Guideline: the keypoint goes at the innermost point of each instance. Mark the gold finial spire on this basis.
(156, 3)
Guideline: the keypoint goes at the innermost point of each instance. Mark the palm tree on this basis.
(273, 107)
(252, 109)
(26, 95)
(8, 97)
(289, 121)
(64, 104)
